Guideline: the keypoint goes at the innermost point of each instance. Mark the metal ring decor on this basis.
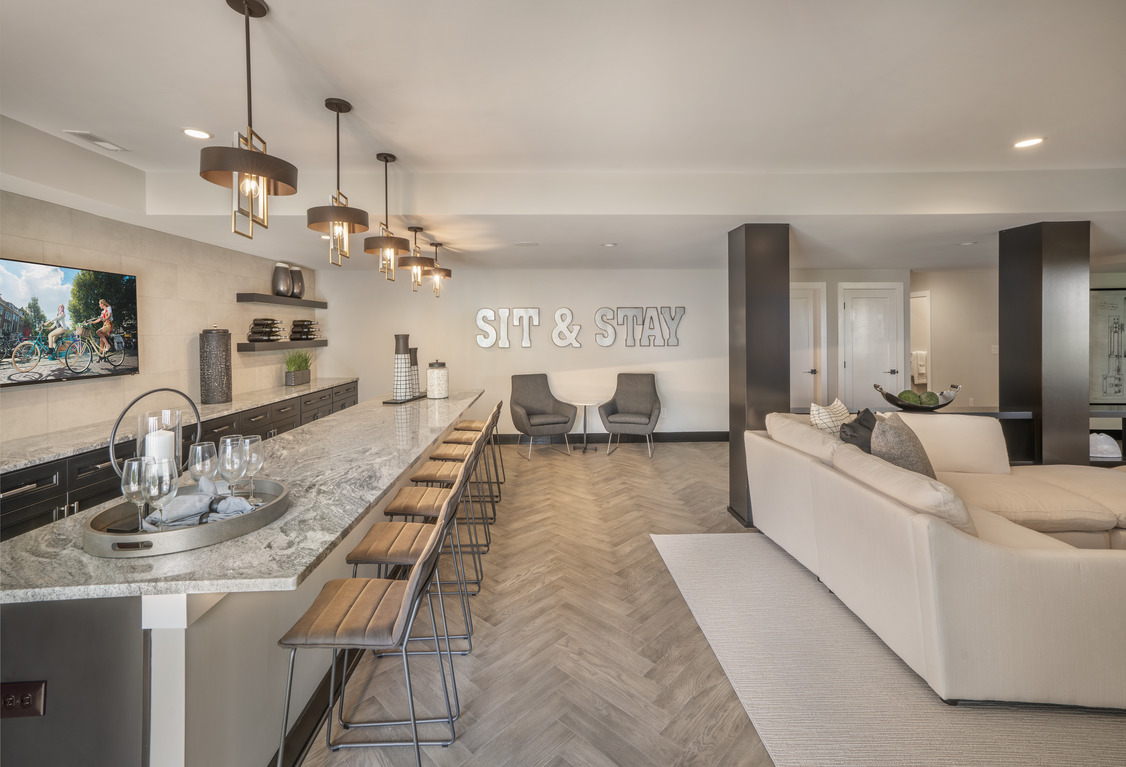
(113, 432)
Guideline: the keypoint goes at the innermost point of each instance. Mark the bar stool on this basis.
(440, 471)
(373, 614)
(393, 543)
(494, 444)
(467, 437)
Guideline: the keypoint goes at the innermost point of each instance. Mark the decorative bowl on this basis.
(944, 399)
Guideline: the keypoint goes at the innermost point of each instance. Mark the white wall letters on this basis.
(651, 326)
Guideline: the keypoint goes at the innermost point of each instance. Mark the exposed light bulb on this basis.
(249, 186)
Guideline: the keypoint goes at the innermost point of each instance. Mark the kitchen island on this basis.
(195, 632)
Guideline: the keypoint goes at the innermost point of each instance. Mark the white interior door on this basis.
(807, 348)
(871, 342)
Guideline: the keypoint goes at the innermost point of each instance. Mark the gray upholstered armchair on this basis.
(536, 412)
(634, 408)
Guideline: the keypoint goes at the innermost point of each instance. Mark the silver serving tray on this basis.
(98, 541)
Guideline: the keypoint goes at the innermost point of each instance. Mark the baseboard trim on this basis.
(601, 438)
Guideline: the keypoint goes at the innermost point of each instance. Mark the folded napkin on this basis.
(190, 510)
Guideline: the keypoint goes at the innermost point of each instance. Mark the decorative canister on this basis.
(437, 380)
(282, 281)
(416, 389)
(298, 282)
(215, 366)
(402, 388)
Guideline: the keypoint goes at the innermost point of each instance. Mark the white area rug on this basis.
(822, 689)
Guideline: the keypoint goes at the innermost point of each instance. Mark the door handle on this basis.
(893, 371)
(811, 371)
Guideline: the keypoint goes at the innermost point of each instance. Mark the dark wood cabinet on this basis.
(32, 497)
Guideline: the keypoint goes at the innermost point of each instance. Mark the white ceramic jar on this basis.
(437, 381)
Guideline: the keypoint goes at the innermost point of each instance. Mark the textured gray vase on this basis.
(298, 282)
(282, 281)
(402, 386)
(215, 366)
(415, 388)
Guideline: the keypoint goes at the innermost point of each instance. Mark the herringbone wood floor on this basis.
(584, 651)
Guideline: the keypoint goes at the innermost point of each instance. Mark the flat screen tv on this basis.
(97, 309)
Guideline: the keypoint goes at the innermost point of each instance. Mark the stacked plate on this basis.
(265, 329)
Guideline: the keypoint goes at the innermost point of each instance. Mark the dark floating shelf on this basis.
(266, 298)
(266, 346)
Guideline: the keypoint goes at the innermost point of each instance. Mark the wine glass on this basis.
(160, 479)
(132, 476)
(203, 460)
(252, 448)
(232, 461)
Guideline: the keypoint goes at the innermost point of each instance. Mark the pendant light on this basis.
(337, 220)
(387, 246)
(246, 169)
(438, 272)
(416, 262)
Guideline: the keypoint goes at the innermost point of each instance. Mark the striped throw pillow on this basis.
(830, 419)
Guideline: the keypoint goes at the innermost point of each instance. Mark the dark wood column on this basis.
(758, 288)
(1044, 304)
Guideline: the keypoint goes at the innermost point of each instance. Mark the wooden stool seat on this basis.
(460, 438)
(350, 612)
(391, 543)
(423, 502)
(439, 472)
(447, 452)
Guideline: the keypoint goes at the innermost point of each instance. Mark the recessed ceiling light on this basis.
(1028, 142)
(609, 244)
(196, 133)
(968, 243)
(526, 244)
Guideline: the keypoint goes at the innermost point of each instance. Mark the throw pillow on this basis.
(829, 419)
(894, 441)
(859, 430)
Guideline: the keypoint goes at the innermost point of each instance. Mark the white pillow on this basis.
(923, 494)
(801, 436)
(830, 419)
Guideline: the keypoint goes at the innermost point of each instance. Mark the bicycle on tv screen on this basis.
(63, 324)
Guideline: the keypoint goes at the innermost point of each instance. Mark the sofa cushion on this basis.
(792, 432)
(969, 443)
(1107, 488)
(993, 528)
(829, 419)
(910, 488)
(1030, 502)
(895, 442)
(858, 431)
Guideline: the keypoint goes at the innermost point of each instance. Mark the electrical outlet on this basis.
(971, 401)
(19, 699)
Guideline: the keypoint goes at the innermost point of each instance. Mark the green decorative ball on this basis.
(929, 398)
(909, 396)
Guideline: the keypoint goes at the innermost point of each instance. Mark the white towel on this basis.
(919, 367)
(186, 510)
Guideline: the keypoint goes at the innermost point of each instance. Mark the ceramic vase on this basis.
(402, 387)
(282, 281)
(298, 282)
(415, 388)
(214, 366)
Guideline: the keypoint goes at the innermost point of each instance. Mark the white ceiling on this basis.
(513, 119)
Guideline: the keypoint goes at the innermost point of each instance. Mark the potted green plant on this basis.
(297, 364)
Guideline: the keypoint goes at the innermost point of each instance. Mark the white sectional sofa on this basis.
(994, 611)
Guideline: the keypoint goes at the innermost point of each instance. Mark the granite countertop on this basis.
(31, 451)
(335, 468)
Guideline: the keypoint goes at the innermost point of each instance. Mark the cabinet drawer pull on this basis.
(218, 429)
(256, 418)
(83, 471)
(18, 491)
